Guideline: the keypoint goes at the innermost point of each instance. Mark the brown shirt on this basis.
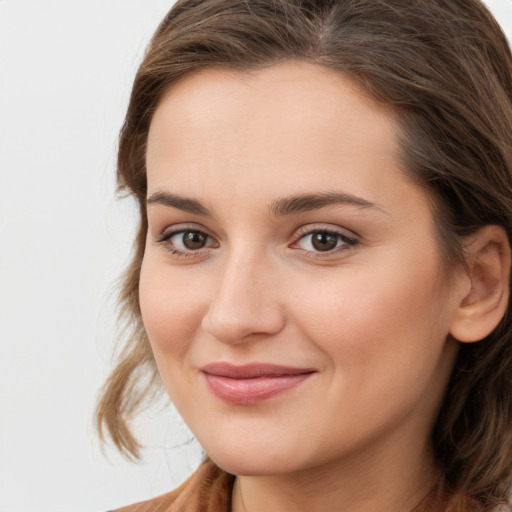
(209, 490)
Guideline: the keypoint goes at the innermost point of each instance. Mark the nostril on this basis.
(243, 303)
(241, 322)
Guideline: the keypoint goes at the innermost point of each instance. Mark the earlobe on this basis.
(488, 267)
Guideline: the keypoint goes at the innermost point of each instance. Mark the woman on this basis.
(321, 274)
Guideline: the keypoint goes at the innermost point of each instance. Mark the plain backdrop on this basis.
(66, 69)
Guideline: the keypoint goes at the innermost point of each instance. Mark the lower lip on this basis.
(252, 391)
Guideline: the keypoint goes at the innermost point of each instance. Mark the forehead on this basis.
(294, 124)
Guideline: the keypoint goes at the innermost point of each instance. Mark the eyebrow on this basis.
(308, 202)
(186, 204)
(280, 207)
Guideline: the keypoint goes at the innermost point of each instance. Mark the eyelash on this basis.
(346, 242)
(166, 236)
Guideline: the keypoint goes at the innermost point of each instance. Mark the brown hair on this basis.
(446, 68)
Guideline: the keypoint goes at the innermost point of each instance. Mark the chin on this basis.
(255, 459)
(263, 465)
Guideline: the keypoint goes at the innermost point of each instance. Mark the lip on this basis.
(253, 383)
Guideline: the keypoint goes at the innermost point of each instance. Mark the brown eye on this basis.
(323, 241)
(186, 241)
(193, 240)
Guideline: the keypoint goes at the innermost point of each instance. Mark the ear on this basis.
(488, 268)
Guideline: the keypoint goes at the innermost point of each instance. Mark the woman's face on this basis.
(291, 288)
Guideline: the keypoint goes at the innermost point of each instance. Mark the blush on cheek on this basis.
(170, 312)
(164, 329)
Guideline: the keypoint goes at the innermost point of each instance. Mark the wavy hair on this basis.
(446, 68)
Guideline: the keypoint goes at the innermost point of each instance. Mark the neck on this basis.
(362, 483)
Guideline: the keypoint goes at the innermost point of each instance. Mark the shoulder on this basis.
(207, 490)
(457, 502)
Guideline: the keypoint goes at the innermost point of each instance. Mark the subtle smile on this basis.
(251, 384)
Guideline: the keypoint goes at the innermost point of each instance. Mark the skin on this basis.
(372, 317)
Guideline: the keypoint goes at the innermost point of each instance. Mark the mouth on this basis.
(253, 383)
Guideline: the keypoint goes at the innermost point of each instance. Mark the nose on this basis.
(245, 304)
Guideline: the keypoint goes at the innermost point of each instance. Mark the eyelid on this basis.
(180, 228)
(349, 238)
(177, 252)
(328, 228)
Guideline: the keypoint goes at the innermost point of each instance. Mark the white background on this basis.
(66, 69)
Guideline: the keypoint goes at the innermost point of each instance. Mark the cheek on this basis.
(171, 309)
(377, 323)
(385, 342)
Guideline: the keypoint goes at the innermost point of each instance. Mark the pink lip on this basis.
(253, 383)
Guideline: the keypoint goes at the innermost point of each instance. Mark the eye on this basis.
(323, 241)
(186, 240)
(190, 240)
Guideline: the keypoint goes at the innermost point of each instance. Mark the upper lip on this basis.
(252, 371)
